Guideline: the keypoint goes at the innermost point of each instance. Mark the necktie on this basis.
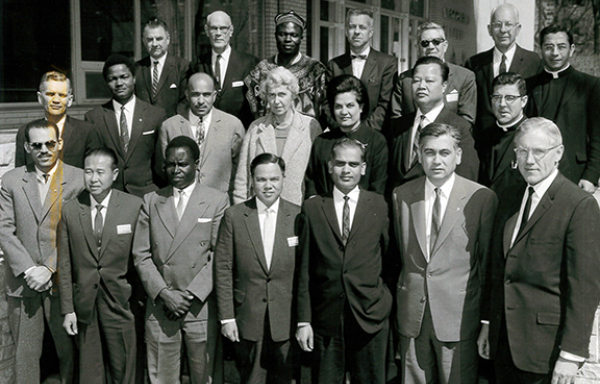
(415, 150)
(200, 133)
(98, 225)
(124, 131)
(45, 176)
(180, 204)
(268, 235)
(502, 68)
(525, 216)
(436, 220)
(346, 220)
(218, 71)
(154, 79)
(358, 57)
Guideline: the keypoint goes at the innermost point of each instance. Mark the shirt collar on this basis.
(104, 202)
(543, 186)
(433, 114)
(446, 187)
(339, 195)
(509, 54)
(187, 190)
(296, 59)
(557, 74)
(50, 173)
(365, 51)
(206, 119)
(161, 60)
(225, 55)
(262, 208)
(129, 106)
(506, 127)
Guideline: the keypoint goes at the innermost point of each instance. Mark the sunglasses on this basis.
(49, 144)
(436, 42)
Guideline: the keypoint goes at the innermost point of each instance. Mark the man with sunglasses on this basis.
(31, 199)
(460, 95)
(538, 307)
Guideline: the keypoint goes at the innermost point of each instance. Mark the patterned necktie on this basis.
(98, 225)
(200, 133)
(180, 204)
(124, 130)
(218, 71)
(269, 235)
(155, 79)
(415, 149)
(436, 220)
(346, 220)
(525, 216)
(502, 68)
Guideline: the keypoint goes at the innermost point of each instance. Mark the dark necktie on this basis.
(359, 57)
(124, 131)
(98, 225)
(436, 220)
(218, 71)
(346, 220)
(502, 68)
(525, 216)
(155, 79)
(413, 158)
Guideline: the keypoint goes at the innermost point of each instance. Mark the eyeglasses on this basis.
(497, 99)
(508, 25)
(49, 144)
(436, 42)
(538, 153)
(215, 29)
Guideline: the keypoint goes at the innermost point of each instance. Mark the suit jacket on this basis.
(332, 274)
(460, 96)
(78, 138)
(169, 253)
(453, 278)
(578, 118)
(231, 98)
(401, 172)
(172, 83)
(545, 287)
(83, 266)
(136, 174)
(28, 226)
(296, 152)
(379, 76)
(525, 63)
(247, 289)
(220, 151)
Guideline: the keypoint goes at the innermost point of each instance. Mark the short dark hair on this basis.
(348, 83)
(41, 124)
(117, 59)
(155, 22)
(425, 60)
(439, 129)
(103, 151)
(510, 78)
(555, 28)
(266, 158)
(184, 142)
(346, 142)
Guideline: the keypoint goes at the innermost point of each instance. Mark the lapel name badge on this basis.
(292, 241)
(124, 229)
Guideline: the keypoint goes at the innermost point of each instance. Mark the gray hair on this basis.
(430, 25)
(541, 123)
(279, 77)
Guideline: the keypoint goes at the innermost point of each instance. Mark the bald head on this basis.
(504, 26)
(218, 17)
(201, 93)
(506, 9)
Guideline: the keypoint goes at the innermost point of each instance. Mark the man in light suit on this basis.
(218, 135)
(129, 126)
(255, 268)
(430, 81)
(173, 249)
(228, 66)
(78, 137)
(95, 263)
(544, 287)
(443, 225)
(31, 199)
(343, 303)
(161, 77)
(460, 95)
(378, 71)
(506, 56)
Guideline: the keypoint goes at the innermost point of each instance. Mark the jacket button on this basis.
(95, 286)
(507, 282)
(99, 267)
(268, 280)
(423, 299)
(345, 271)
(264, 300)
(342, 248)
(342, 295)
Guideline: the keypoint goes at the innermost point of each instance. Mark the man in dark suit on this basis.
(173, 246)
(506, 56)
(160, 77)
(443, 225)
(460, 95)
(255, 268)
(378, 71)
(129, 126)
(78, 137)
(228, 66)
(430, 77)
(544, 287)
(95, 260)
(31, 198)
(343, 303)
(568, 97)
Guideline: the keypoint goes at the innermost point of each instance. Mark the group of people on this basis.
(359, 215)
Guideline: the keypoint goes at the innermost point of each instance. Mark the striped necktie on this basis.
(154, 79)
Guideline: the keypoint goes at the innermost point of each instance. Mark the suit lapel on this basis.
(165, 74)
(294, 140)
(544, 204)
(280, 243)
(456, 203)
(110, 122)
(266, 139)
(253, 227)
(85, 220)
(488, 68)
(147, 75)
(54, 191)
(406, 144)
(417, 209)
(211, 137)
(32, 192)
(67, 132)
(509, 228)
(229, 72)
(110, 222)
(370, 69)
(137, 126)
(362, 210)
(195, 209)
(346, 64)
(165, 207)
(329, 211)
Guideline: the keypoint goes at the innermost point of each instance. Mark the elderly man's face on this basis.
(436, 43)
(359, 31)
(156, 41)
(201, 95)
(289, 37)
(504, 27)
(56, 97)
(537, 155)
(219, 31)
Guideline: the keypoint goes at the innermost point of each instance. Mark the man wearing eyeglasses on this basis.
(506, 56)
(31, 199)
(228, 66)
(378, 71)
(460, 95)
(538, 308)
(569, 98)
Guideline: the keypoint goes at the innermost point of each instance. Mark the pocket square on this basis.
(203, 220)
(173, 86)
(236, 84)
(147, 133)
(452, 97)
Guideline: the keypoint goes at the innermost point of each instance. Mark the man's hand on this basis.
(70, 323)
(587, 186)
(564, 371)
(305, 337)
(177, 302)
(230, 331)
(483, 341)
(38, 278)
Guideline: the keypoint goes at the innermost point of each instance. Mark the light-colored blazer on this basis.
(296, 153)
(452, 280)
(219, 154)
(28, 227)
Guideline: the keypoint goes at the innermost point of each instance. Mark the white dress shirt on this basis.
(224, 63)
(358, 65)
(104, 204)
(187, 193)
(429, 118)
(338, 203)
(268, 237)
(510, 54)
(129, 108)
(446, 189)
(43, 184)
(61, 125)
